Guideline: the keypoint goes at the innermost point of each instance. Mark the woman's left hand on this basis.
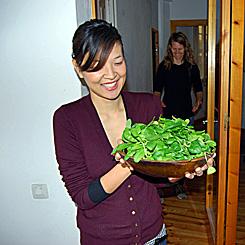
(198, 171)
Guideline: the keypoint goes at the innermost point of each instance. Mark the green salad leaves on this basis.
(164, 140)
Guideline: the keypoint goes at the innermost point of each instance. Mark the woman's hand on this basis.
(199, 170)
(163, 105)
(196, 106)
(123, 163)
(199, 98)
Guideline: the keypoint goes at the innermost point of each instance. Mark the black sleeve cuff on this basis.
(96, 192)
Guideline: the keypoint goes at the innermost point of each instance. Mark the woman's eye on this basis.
(118, 62)
(93, 65)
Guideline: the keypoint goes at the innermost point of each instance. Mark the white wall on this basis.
(36, 78)
(84, 12)
(164, 26)
(154, 14)
(134, 21)
(188, 9)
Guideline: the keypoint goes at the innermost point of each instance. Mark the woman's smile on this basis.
(110, 85)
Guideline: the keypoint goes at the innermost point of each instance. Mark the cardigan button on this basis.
(133, 212)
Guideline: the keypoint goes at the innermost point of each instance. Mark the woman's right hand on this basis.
(163, 105)
(123, 163)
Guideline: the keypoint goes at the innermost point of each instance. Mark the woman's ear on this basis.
(78, 72)
(77, 68)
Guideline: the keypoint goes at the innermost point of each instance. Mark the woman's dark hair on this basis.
(180, 38)
(94, 40)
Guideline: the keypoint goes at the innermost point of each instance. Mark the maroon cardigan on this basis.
(132, 214)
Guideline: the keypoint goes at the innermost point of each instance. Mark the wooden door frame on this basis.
(197, 22)
(211, 108)
(93, 9)
(155, 59)
(223, 118)
(236, 80)
(155, 31)
(231, 78)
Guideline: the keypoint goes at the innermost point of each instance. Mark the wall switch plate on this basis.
(39, 191)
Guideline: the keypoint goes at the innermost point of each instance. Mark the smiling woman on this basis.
(114, 204)
(111, 199)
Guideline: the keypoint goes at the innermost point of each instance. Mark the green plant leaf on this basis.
(211, 170)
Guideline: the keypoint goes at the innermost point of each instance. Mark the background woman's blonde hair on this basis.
(180, 38)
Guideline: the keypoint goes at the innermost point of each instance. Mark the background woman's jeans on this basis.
(161, 242)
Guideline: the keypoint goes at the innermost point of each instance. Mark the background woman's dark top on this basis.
(177, 83)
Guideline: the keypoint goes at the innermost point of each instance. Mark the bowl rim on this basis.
(174, 161)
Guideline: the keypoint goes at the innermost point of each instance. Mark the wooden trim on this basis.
(223, 117)
(237, 40)
(93, 8)
(155, 31)
(211, 106)
(175, 23)
(211, 89)
(212, 222)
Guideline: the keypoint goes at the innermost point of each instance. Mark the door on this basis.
(196, 32)
(231, 74)
(222, 209)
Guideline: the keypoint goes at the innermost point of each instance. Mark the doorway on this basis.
(196, 32)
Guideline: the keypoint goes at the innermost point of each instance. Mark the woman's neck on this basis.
(113, 117)
(104, 106)
(178, 62)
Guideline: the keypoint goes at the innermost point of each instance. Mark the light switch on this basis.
(39, 191)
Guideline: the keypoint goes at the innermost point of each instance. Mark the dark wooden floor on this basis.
(187, 221)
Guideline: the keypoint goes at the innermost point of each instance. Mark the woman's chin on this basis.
(112, 94)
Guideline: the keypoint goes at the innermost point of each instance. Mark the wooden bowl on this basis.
(166, 168)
